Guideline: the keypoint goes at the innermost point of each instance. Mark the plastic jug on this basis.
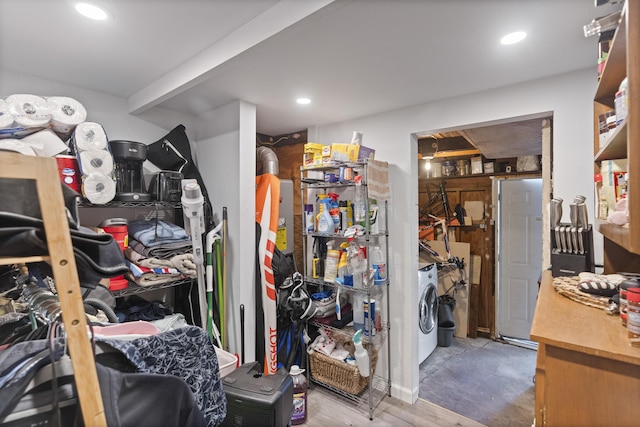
(299, 415)
(379, 265)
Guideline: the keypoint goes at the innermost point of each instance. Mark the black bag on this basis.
(173, 152)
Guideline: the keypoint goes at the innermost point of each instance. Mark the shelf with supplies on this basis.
(622, 142)
(346, 251)
(130, 210)
(133, 289)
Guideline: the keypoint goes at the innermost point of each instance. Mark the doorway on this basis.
(519, 257)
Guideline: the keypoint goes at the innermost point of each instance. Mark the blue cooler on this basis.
(254, 399)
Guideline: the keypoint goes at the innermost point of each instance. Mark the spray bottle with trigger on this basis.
(361, 355)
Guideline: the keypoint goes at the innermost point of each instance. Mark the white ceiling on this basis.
(351, 57)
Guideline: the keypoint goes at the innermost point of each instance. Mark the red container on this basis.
(69, 172)
(120, 232)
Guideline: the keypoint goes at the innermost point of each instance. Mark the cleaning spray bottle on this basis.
(335, 211)
(361, 355)
(325, 221)
(359, 203)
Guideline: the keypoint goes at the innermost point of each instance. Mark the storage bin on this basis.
(339, 374)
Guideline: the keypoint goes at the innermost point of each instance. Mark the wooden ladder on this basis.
(44, 171)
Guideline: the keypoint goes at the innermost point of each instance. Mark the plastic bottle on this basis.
(319, 209)
(299, 415)
(325, 221)
(359, 205)
(358, 311)
(356, 263)
(342, 265)
(361, 355)
(379, 265)
(334, 211)
(331, 263)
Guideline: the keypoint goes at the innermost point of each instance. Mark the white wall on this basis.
(226, 151)
(110, 111)
(568, 97)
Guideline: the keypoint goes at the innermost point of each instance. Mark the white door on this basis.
(520, 254)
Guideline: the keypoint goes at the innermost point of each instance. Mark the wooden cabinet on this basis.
(622, 244)
(587, 373)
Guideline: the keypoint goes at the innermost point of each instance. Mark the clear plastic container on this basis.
(299, 415)
(379, 264)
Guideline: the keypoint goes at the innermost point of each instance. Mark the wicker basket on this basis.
(339, 374)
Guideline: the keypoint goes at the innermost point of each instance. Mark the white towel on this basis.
(66, 114)
(378, 180)
(95, 162)
(16, 145)
(89, 136)
(45, 143)
(29, 111)
(98, 188)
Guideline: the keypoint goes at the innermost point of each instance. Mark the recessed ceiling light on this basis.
(91, 11)
(303, 101)
(512, 38)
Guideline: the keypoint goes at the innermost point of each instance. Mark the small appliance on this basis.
(165, 186)
(129, 157)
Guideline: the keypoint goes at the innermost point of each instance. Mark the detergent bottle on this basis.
(342, 266)
(325, 221)
(335, 211)
(331, 263)
(299, 415)
(319, 209)
(361, 355)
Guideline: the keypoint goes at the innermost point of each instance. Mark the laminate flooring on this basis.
(488, 381)
(326, 409)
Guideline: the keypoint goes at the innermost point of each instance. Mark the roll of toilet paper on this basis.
(6, 118)
(98, 188)
(66, 114)
(96, 162)
(46, 143)
(29, 111)
(89, 136)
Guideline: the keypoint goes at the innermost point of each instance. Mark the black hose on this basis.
(108, 311)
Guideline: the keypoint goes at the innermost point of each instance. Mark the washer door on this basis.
(428, 309)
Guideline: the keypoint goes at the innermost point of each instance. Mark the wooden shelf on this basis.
(624, 143)
(616, 148)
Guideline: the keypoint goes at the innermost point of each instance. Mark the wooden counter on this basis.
(587, 373)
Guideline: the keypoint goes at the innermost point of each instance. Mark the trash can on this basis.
(446, 324)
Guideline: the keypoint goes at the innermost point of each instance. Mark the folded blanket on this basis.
(144, 261)
(157, 232)
(185, 264)
(164, 251)
(182, 262)
(144, 276)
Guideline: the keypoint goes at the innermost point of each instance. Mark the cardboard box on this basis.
(340, 152)
(475, 210)
(313, 147)
(365, 153)
(476, 165)
(489, 167)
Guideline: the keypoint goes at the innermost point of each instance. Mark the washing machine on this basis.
(427, 311)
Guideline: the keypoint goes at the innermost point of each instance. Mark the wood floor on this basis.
(326, 409)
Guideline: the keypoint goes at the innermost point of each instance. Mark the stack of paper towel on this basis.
(24, 114)
(89, 142)
(36, 125)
